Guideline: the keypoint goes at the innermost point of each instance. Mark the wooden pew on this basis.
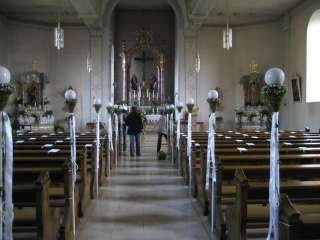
(36, 157)
(296, 225)
(239, 215)
(59, 189)
(32, 214)
(228, 151)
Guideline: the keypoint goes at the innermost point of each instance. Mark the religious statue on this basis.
(34, 91)
(153, 84)
(134, 83)
(252, 86)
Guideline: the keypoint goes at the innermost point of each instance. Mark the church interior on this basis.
(159, 119)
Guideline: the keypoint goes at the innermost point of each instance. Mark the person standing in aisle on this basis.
(162, 130)
(135, 127)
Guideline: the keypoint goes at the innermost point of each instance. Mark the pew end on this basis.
(236, 225)
(289, 219)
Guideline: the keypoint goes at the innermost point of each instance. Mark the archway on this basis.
(179, 10)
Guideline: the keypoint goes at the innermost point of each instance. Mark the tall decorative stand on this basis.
(71, 100)
(213, 101)
(97, 107)
(190, 105)
(274, 93)
(6, 157)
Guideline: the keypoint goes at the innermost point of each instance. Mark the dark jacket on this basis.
(134, 123)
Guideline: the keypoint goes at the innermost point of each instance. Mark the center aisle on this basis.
(144, 200)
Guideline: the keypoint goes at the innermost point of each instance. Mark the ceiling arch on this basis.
(179, 8)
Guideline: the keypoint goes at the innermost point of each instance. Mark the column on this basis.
(96, 73)
(162, 77)
(190, 59)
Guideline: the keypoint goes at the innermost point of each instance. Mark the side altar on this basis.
(33, 113)
(254, 114)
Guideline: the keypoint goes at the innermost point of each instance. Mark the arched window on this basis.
(313, 58)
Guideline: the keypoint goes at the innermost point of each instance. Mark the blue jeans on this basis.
(135, 143)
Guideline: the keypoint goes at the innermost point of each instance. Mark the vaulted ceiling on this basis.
(90, 12)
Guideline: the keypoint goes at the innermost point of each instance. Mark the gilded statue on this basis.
(252, 85)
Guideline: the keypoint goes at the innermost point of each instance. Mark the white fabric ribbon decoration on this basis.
(116, 135)
(74, 167)
(178, 129)
(171, 136)
(167, 124)
(189, 149)
(97, 150)
(7, 165)
(211, 163)
(121, 131)
(274, 182)
(110, 142)
(210, 150)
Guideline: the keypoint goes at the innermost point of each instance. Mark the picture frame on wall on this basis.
(296, 83)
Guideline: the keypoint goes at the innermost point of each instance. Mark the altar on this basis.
(144, 71)
(152, 123)
(33, 112)
(254, 115)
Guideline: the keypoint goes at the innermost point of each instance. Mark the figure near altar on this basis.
(153, 86)
(134, 83)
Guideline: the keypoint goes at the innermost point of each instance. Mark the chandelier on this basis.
(227, 32)
(58, 36)
(89, 63)
(197, 63)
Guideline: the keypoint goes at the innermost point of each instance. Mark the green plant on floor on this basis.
(162, 155)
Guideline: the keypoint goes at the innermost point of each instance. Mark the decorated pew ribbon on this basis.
(121, 131)
(7, 164)
(178, 138)
(97, 150)
(110, 148)
(171, 136)
(189, 149)
(116, 122)
(178, 130)
(74, 167)
(211, 151)
(110, 132)
(274, 182)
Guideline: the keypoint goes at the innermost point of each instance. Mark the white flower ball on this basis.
(5, 75)
(180, 104)
(109, 104)
(172, 106)
(190, 101)
(70, 94)
(97, 101)
(274, 76)
(213, 94)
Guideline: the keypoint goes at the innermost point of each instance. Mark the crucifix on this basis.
(144, 59)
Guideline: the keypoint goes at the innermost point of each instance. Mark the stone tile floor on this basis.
(143, 200)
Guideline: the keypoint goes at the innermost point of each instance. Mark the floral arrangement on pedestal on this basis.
(70, 99)
(6, 88)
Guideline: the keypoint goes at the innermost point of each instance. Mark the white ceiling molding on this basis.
(194, 13)
(200, 10)
(87, 11)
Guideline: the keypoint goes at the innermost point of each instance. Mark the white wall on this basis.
(297, 115)
(63, 68)
(221, 68)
